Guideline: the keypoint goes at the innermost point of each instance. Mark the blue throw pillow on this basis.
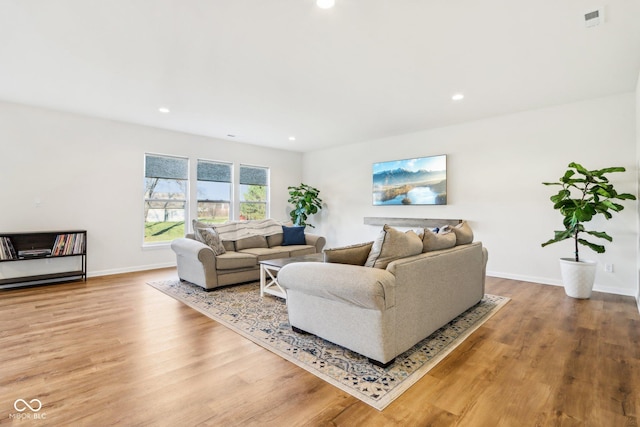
(293, 236)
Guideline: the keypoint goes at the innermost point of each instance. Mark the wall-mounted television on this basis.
(419, 181)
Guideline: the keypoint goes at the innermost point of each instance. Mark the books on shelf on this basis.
(17, 247)
(7, 251)
(68, 244)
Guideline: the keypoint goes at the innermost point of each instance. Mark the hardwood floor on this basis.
(116, 351)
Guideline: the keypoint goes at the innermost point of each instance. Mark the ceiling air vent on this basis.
(594, 17)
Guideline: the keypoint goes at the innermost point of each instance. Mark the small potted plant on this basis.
(584, 195)
(305, 202)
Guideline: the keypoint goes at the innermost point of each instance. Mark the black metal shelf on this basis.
(45, 240)
(27, 258)
(23, 280)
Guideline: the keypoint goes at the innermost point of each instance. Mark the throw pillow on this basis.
(393, 244)
(209, 237)
(197, 224)
(464, 234)
(293, 236)
(443, 239)
(353, 254)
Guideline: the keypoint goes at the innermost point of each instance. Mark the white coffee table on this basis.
(269, 273)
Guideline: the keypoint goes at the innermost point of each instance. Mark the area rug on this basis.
(264, 320)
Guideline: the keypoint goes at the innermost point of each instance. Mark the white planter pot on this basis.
(578, 277)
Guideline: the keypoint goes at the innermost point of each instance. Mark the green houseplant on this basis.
(584, 194)
(305, 202)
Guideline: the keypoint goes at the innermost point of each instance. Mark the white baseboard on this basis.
(555, 282)
(130, 269)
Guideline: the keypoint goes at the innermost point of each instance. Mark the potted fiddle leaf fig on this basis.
(584, 195)
(305, 202)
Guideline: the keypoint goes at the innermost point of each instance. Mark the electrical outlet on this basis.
(608, 268)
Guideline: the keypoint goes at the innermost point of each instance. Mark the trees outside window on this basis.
(165, 197)
(254, 192)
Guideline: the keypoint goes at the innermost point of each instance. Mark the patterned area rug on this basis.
(265, 322)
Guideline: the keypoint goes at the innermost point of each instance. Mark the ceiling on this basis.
(265, 70)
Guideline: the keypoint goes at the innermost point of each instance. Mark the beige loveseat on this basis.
(237, 247)
(410, 289)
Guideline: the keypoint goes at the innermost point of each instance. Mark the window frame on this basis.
(190, 200)
(231, 185)
(267, 184)
(145, 200)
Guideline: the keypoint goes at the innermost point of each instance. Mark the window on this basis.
(214, 191)
(165, 197)
(254, 190)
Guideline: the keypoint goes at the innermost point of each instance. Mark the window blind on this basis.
(253, 175)
(214, 171)
(166, 167)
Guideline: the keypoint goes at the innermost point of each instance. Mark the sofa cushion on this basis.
(300, 250)
(443, 239)
(262, 254)
(464, 234)
(251, 242)
(353, 254)
(275, 240)
(232, 260)
(296, 250)
(206, 234)
(293, 236)
(229, 245)
(393, 244)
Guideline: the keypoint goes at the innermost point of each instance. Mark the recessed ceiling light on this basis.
(292, 138)
(164, 110)
(325, 4)
(458, 97)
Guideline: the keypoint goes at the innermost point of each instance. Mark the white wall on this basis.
(87, 173)
(495, 170)
(638, 177)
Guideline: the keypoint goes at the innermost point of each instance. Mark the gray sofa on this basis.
(382, 312)
(248, 243)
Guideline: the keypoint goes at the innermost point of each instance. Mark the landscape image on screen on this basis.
(421, 181)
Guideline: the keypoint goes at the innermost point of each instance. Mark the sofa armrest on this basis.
(192, 249)
(196, 262)
(315, 240)
(371, 288)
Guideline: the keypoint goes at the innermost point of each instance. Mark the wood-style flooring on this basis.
(114, 350)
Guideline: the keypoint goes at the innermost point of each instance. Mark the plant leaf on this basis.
(600, 234)
(596, 248)
(609, 170)
(626, 196)
(579, 168)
